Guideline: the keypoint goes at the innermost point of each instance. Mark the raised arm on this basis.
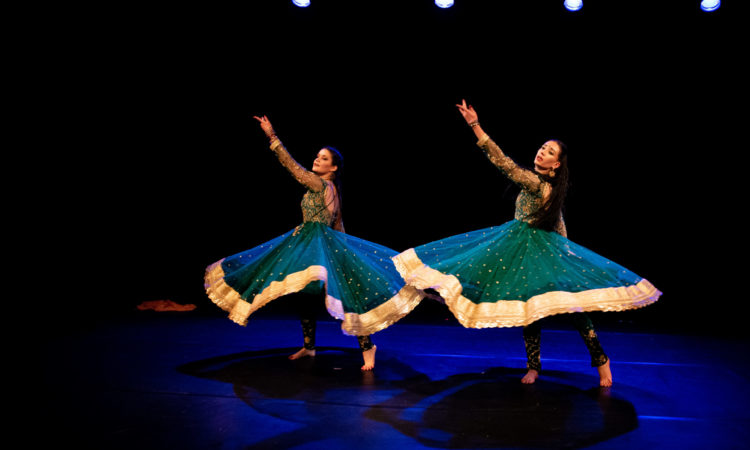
(526, 179)
(302, 175)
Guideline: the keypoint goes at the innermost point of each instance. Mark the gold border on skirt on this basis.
(380, 317)
(513, 313)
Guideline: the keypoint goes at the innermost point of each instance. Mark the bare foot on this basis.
(302, 352)
(605, 375)
(530, 377)
(369, 357)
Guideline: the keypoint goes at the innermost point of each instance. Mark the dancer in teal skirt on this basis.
(357, 278)
(524, 270)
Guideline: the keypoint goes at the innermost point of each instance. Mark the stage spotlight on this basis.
(710, 5)
(301, 3)
(444, 3)
(573, 5)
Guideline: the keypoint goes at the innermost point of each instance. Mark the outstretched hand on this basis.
(265, 124)
(468, 112)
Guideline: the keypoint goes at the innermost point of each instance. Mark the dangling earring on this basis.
(551, 172)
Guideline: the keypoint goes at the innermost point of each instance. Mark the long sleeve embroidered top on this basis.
(320, 202)
(534, 190)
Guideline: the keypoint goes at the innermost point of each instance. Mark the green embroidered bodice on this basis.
(533, 188)
(315, 206)
(319, 204)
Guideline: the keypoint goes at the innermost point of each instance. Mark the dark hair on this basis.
(550, 213)
(338, 161)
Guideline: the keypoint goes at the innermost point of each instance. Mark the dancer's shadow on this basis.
(329, 395)
(494, 409)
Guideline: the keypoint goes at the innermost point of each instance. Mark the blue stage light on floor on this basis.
(710, 5)
(301, 3)
(444, 3)
(573, 5)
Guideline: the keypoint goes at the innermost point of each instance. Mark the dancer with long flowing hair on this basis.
(525, 270)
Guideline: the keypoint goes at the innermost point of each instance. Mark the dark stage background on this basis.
(173, 173)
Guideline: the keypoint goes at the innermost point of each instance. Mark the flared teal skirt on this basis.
(514, 274)
(358, 278)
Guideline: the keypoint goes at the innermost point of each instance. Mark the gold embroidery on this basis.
(533, 188)
(380, 317)
(511, 313)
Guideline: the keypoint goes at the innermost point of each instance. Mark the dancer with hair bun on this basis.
(356, 277)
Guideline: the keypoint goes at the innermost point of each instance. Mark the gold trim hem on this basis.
(383, 315)
(513, 313)
(239, 309)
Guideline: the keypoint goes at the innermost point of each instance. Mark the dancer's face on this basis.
(323, 164)
(547, 157)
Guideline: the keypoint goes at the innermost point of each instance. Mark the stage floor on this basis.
(196, 381)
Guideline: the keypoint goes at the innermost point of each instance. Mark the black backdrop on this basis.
(173, 173)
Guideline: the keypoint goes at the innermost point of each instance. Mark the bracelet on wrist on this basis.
(474, 124)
